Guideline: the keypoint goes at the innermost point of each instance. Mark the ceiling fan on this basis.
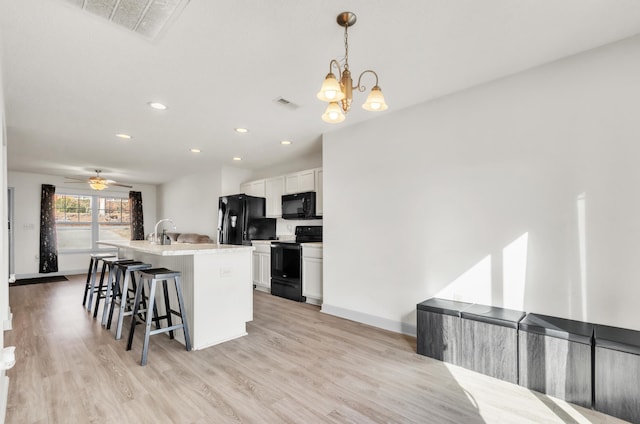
(97, 182)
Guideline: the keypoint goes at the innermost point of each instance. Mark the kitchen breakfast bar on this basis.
(216, 284)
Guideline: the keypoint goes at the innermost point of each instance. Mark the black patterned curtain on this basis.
(137, 222)
(48, 237)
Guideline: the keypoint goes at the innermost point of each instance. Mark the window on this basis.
(82, 220)
(73, 222)
(114, 219)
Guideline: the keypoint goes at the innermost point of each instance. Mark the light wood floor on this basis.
(297, 365)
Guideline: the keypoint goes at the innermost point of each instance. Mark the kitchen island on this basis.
(216, 285)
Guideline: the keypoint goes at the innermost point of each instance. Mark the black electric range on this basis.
(286, 263)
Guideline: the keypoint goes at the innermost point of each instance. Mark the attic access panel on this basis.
(148, 18)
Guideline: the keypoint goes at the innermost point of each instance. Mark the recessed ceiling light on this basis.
(237, 158)
(285, 142)
(124, 136)
(242, 130)
(194, 150)
(157, 106)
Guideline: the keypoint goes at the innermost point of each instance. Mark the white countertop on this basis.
(263, 241)
(175, 249)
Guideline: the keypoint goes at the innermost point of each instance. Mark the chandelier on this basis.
(339, 94)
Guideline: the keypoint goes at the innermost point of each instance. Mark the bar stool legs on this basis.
(119, 274)
(90, 285)
(99, 289)
(121, 295)
(153, 276)
(104, 292)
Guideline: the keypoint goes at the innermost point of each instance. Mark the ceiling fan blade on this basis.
(95, 179)
(120, 185)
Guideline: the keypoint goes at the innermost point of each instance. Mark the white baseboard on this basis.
(313, 301)
(262, 289)
(375, 321)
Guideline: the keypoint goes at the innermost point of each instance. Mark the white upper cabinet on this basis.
(300, 182)
(274, 189)
(253, 188)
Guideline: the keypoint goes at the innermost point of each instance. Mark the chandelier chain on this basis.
(346, 47)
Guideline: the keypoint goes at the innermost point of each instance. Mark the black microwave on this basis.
(299, 206)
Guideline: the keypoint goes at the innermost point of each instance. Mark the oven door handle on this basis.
(284, 283)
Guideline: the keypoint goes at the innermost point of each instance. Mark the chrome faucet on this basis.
(155, 232)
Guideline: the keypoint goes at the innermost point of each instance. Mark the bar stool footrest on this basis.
(165, 329)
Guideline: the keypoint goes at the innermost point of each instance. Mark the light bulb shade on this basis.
(97, 183)
(333, 114)
(375, 101)
(330, 91)
(98, 186)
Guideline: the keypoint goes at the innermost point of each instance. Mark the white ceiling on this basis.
(73, 80)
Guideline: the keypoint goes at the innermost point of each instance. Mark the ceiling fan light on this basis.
(375, 101)
(97, 185)
(333, 114)
(331, 90)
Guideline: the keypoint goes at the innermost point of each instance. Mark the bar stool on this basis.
(90, 286)
(122, 289)
(104, 291)
(154, 275)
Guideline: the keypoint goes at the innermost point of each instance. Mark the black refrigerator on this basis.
(241, 219)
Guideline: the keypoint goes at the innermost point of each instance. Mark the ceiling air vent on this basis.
(286, 103)
(148, 18)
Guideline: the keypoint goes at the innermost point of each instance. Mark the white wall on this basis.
(27, 192)
(231, 180)
(4, 257)
(191, 202)
(521, 193)
(5, 322)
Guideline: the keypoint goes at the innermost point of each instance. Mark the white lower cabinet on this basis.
(262, 266)
(312, 273)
